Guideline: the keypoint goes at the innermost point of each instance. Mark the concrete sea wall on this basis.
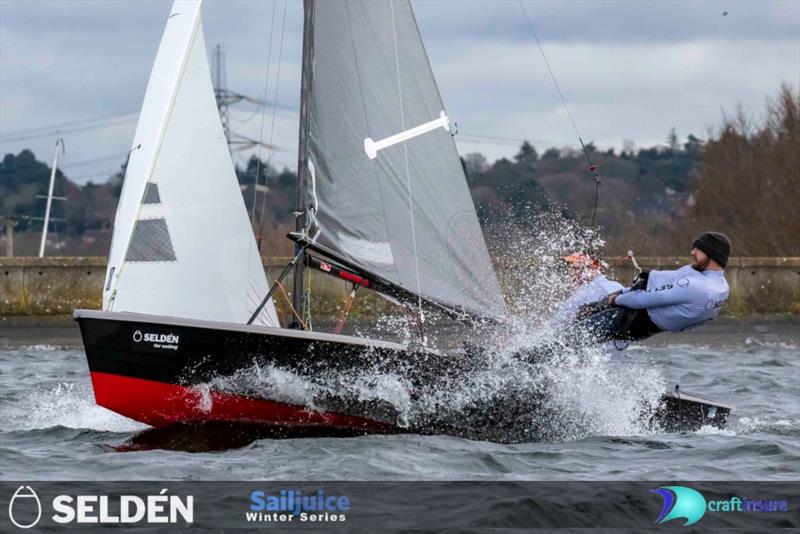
(50, 286)
(56, 286)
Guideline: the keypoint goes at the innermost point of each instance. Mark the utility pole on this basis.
(50, 197)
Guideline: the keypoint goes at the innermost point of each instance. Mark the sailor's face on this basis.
(578, 272)
(699, 259)
(582, 274)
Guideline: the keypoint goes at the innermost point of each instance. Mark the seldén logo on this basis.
(159, 341)
(25, 509)
(689, 504)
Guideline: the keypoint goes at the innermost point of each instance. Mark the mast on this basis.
(298, 294)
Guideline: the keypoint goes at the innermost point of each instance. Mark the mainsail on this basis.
(182, 244)
(383, 171)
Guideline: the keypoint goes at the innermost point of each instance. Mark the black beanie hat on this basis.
(716, 245)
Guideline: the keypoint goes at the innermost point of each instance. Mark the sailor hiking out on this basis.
(589, 285)
(661, 301)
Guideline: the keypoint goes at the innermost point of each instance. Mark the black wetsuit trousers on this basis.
(615, 323)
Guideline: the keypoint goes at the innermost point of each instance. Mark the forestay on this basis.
(383, 164)
(182, 244)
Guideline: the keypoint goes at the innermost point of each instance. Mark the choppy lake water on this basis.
(50, 427)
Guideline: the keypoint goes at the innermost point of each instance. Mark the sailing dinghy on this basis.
(382, 201)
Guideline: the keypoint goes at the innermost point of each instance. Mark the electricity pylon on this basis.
(227, 98)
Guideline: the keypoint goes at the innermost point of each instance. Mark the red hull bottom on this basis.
(159, 405)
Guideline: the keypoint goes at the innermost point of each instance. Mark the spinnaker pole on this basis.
(298, 292)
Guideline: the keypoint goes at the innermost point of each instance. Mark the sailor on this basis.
(589, 285)
(671, 301)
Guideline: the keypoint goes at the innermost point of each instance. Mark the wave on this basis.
(69, 405)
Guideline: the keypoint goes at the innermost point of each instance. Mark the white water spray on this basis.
(499, 395)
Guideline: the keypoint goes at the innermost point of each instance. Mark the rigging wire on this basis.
(271, 150)
(289, 302)
(351, 297)
(307, 304)
(408, 171)
(263, 113)
(599, 188)
(549, 69)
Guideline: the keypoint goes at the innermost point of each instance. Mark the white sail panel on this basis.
(183, 245)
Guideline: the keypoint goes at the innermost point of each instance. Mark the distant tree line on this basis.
(744, 180)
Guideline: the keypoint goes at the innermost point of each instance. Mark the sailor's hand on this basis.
(640, 282)
(611, 299)
(585, 310)
(591, 308)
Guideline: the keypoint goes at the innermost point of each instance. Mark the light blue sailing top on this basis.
(591, 291)
(679, 299)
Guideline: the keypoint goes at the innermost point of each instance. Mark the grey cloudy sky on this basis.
(629, 70)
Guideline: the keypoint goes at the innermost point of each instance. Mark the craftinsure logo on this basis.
(25, 509)
(288, 506)
(681, 502)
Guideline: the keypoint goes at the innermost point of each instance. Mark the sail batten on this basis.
(390, 191)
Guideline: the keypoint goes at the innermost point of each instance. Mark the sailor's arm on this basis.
(653, 299)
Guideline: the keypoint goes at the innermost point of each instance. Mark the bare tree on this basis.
(750, 182)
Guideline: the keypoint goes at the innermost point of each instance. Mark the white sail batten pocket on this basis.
(372, 147)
